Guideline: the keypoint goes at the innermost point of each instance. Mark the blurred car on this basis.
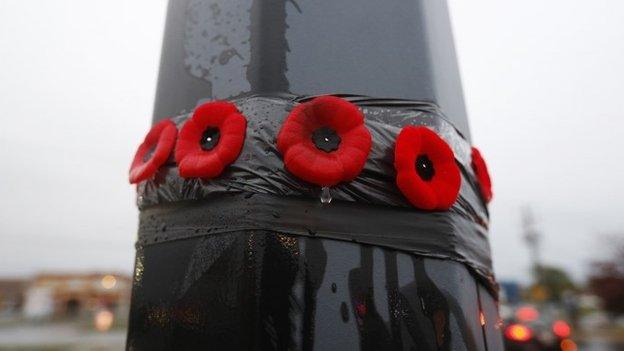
(528, 328)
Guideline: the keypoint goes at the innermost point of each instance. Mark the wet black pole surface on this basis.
(267, 291)
(264, 290)
(224, 49)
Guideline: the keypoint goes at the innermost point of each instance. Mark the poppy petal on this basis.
(440, 190)
(160, 141)
(417, 193)
(350, 158)
(338, 113)
(214, 113)
(483, 175)
(201, 165)
(197, 162)
(325, 167)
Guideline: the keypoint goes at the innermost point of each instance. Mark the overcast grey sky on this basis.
(544, 86)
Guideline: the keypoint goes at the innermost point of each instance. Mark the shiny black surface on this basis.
(210, 138)
(424, 167)
(369, 209)
(326, 139)
(198, 286)
(224, 49)
(492, 323)
(261, 290)
(260, 168)
(444, 235)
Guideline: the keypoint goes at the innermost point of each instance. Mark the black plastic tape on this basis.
(259, 168)
(441, 235)
(370, 209)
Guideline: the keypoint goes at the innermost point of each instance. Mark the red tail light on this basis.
(561, 329)
(527, 314)
(568, 345)
(518, 332)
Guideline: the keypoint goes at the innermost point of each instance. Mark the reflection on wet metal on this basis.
(286, 292)
(138, 268)
(223, 49)
(217, 45)
(225, 277)
(493, 329)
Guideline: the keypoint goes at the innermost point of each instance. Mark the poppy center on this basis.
(210, 138)
(326, 139)
(424, 167)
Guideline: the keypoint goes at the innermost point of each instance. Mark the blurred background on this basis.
(544, 88)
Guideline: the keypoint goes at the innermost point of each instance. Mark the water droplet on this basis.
(423, 305)
(326, 197)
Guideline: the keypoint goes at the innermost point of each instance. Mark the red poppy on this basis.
(426, 170)
(324, 141)
(210, 140)
(154, 151)
(483, 176)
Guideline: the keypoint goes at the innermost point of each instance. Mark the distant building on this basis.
(12, 295)
(70, 295)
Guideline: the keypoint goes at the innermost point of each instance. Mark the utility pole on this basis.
(533, 239)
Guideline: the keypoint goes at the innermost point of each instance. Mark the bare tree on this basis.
(606, 279)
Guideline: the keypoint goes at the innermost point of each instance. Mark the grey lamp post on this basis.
(203, 280)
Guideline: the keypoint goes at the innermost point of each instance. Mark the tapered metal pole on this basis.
(263, 289)
(222, 49)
